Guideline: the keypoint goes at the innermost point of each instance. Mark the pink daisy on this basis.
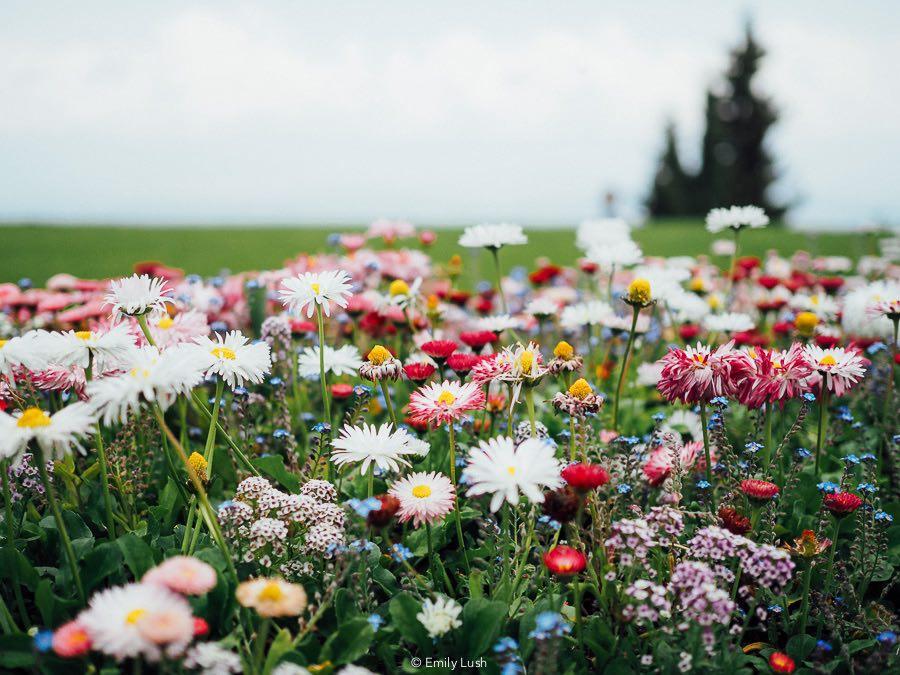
(183, 574)
(424, 497)
(699, 374)
(838, 368)
(660, 462)
(491, 367)
(778, 376)
(445, 402)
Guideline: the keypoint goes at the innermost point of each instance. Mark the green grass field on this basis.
(39, 251)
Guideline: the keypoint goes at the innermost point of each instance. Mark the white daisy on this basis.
(684, 422)
(211, 658)
(736, 217)
(823, 306)
(601, 231)
(499, 468)
(138, 295)
(619, 253)
(308, 290)
(57, 434)
(542, 307)
(424, 497)
(369, 444)
(582, 314)
(234, 359)
(730, 322)
(102, 350)
(837, 369)
(493, 236)
(343, 361)
(440, 616)
(167, 331)
(856, 319)
(498, 323)
(687, 307)
(137, 620)
(32, 351)
(149, 376)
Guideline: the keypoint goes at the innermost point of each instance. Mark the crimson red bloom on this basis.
(562, 504)
(831, 285)
(781, 663)
(827, 341)
(699, 374)
(478, 339)
(842, 503)
(417, 424)
(462, 363)
(565, 561)
(585, 477)
(418, 372)
(587, 266)
(301, 327)
(439, 349)
(544, 274)
(761, 490)
(733, 521)
(782, 327)
(768, 282)
(341, 390)
(201, 628)
(689, 331)
(389, 507)
(484, 306)
(459, 298)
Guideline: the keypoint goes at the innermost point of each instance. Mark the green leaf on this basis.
(280, 646)
(103, 561)
(138, 555)
(349, 642)
(403, 609)
(385, 579)
(482, 622)
(345, 607)
(16, 651)
(11, 558)
(859, 645)
(273, 467)
(476, 584)
(800, 646)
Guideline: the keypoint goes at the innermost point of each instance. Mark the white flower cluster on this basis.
(281, 531)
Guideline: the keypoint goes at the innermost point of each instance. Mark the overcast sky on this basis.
(441, 112)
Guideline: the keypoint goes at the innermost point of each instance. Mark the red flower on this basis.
(831, 285)
(587, 266)
(439, 349)
(484, 305)
(459, 298)
(340, 390)
(842, 503)
(300, 327)
(462, 363)
(418, 372)
(585, 477)
(478, 339)
(781, 663)
(389, 506)
(782, 327)
(427, 237)
(762, 490)
(417, 424)
(561, 504)
(544, 274)
(733, 521)
(827, 341)
(201, 628)
(688, 331)
(748, 262)
(768, 282)
(565, 561)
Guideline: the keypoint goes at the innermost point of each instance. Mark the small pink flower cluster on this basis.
(766, 565)
(647, 602)
(633, 538)
(699, 597)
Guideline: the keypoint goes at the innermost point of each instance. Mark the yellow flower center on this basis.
(83, 335)
(511, 470)
(198, 462)
(33, 418)
(315, 288)
(527, 361)
(134, 615)
(3, 343)
(639, 291)
(827, 360)
(165, 323)
(139, 372)
(446, 398)
(700, 358)
(714, 302)
(271, 591)
(421, 491)
(563, 350)
(379, 355)
(580, 388)
(224, 353)
(398, 287)
(433, 301)
(806, 322)
(777, 365)
(752, 353)
(697, 284)
(319, 667)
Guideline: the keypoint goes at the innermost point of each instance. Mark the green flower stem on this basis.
(9, 518)
(371, 481)
(823, 420)
(388, 403)
(104, 466)
(828, 579)
(60, 523)
(529, 402)
(210, 448)
(496, 253)
(145, 329)
(572, 438)
(804, 604)
(259, 647)
(767, 449)
(200, 406)
(706, 454)
(734, 257)
(320, 319)
(459, 533)
(636, 309)
(430, 549)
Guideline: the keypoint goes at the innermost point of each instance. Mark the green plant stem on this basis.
(371, 481)
(320, 319)
(9, 518)
(823, 419)
(767, 449)
(145, 329)
(210, 448)
(706, 454)
(459, 533)
(734, 257)
(104, 466)
(826, 589)
(388, 403)
(571, 438)
(430, 549)
(529, 402)
(60, 523)
(496, 253)
(804, 603)
(259, 648)
(636, 310)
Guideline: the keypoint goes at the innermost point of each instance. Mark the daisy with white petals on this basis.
(33, 350)
(138, 296)
(234, 359)
(499, 468)
(56, 434)
(311, 291)
(345, 360)
(368, 444)
(836, 369)
(736, 218)
(99, 350)
(424, 497)
(440, 616)
(493, 237)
